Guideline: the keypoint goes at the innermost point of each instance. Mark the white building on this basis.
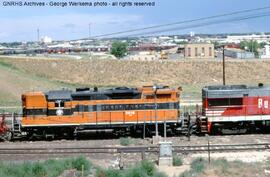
(238, 38)
(144, 56)
(46, 40)
(266, 52)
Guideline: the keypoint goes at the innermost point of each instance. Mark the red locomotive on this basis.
(235, 108)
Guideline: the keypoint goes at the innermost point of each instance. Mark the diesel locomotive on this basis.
(235, 109)
(121, 109)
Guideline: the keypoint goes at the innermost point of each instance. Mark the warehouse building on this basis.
(199, 50)
(238, 53)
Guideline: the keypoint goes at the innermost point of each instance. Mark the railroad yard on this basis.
(111, 145)
(110, 151)
(111, 154)
(134, 89)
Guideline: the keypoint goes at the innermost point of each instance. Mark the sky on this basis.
(65, 23)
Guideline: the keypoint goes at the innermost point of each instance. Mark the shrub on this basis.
(148, 167)
(222, 163)
(48, 168)
(125, 141)
(112, 173)
(77, 163)
(135, 172)
(143, 169)
(198, 165)
(177, 161)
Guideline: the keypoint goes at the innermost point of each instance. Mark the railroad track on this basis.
(138, 149)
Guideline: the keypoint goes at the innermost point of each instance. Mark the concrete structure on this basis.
(266, 52)
(165, 154)
(238, 53)
(199, 50)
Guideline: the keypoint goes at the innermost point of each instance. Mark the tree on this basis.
(119, 49)
(262, 44)
(251, 46)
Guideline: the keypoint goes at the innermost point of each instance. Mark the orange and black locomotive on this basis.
(121, 109)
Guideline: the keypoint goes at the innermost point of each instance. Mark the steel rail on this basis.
(138, 149)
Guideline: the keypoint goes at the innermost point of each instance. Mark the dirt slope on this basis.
(136, 73)
(191, 74)
(14, 82)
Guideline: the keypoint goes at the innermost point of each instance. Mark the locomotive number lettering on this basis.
(130, 113)
(260, 102)
(265, 103)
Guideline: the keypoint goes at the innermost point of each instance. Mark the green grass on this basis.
(220, 166)
(48, 168)
(142, 169)
(5, 64)
(40, 77)
(7, 98)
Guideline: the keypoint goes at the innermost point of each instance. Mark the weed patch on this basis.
(48, 168)
(177, 161)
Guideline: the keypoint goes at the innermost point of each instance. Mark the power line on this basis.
(182, 22)
(202, 24)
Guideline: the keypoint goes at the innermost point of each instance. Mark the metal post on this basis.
(155, 95)
(223, 58)
(144, 127)
(143, 154)
(82, 170)
(165, 130)
(208, 149)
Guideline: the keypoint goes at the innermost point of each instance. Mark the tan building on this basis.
(199, 50)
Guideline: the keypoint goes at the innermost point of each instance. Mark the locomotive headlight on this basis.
(59, 112)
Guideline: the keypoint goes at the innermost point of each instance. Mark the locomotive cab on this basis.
(34, 103)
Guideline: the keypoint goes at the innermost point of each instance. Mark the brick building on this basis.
(199, 50)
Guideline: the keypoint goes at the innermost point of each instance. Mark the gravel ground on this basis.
(182, 140)
(112, 160)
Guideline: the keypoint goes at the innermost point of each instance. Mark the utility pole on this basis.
(223, 64)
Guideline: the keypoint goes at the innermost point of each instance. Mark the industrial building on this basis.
(199, 50)
(238, 53)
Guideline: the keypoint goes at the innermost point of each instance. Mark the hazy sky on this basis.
(21, 23)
